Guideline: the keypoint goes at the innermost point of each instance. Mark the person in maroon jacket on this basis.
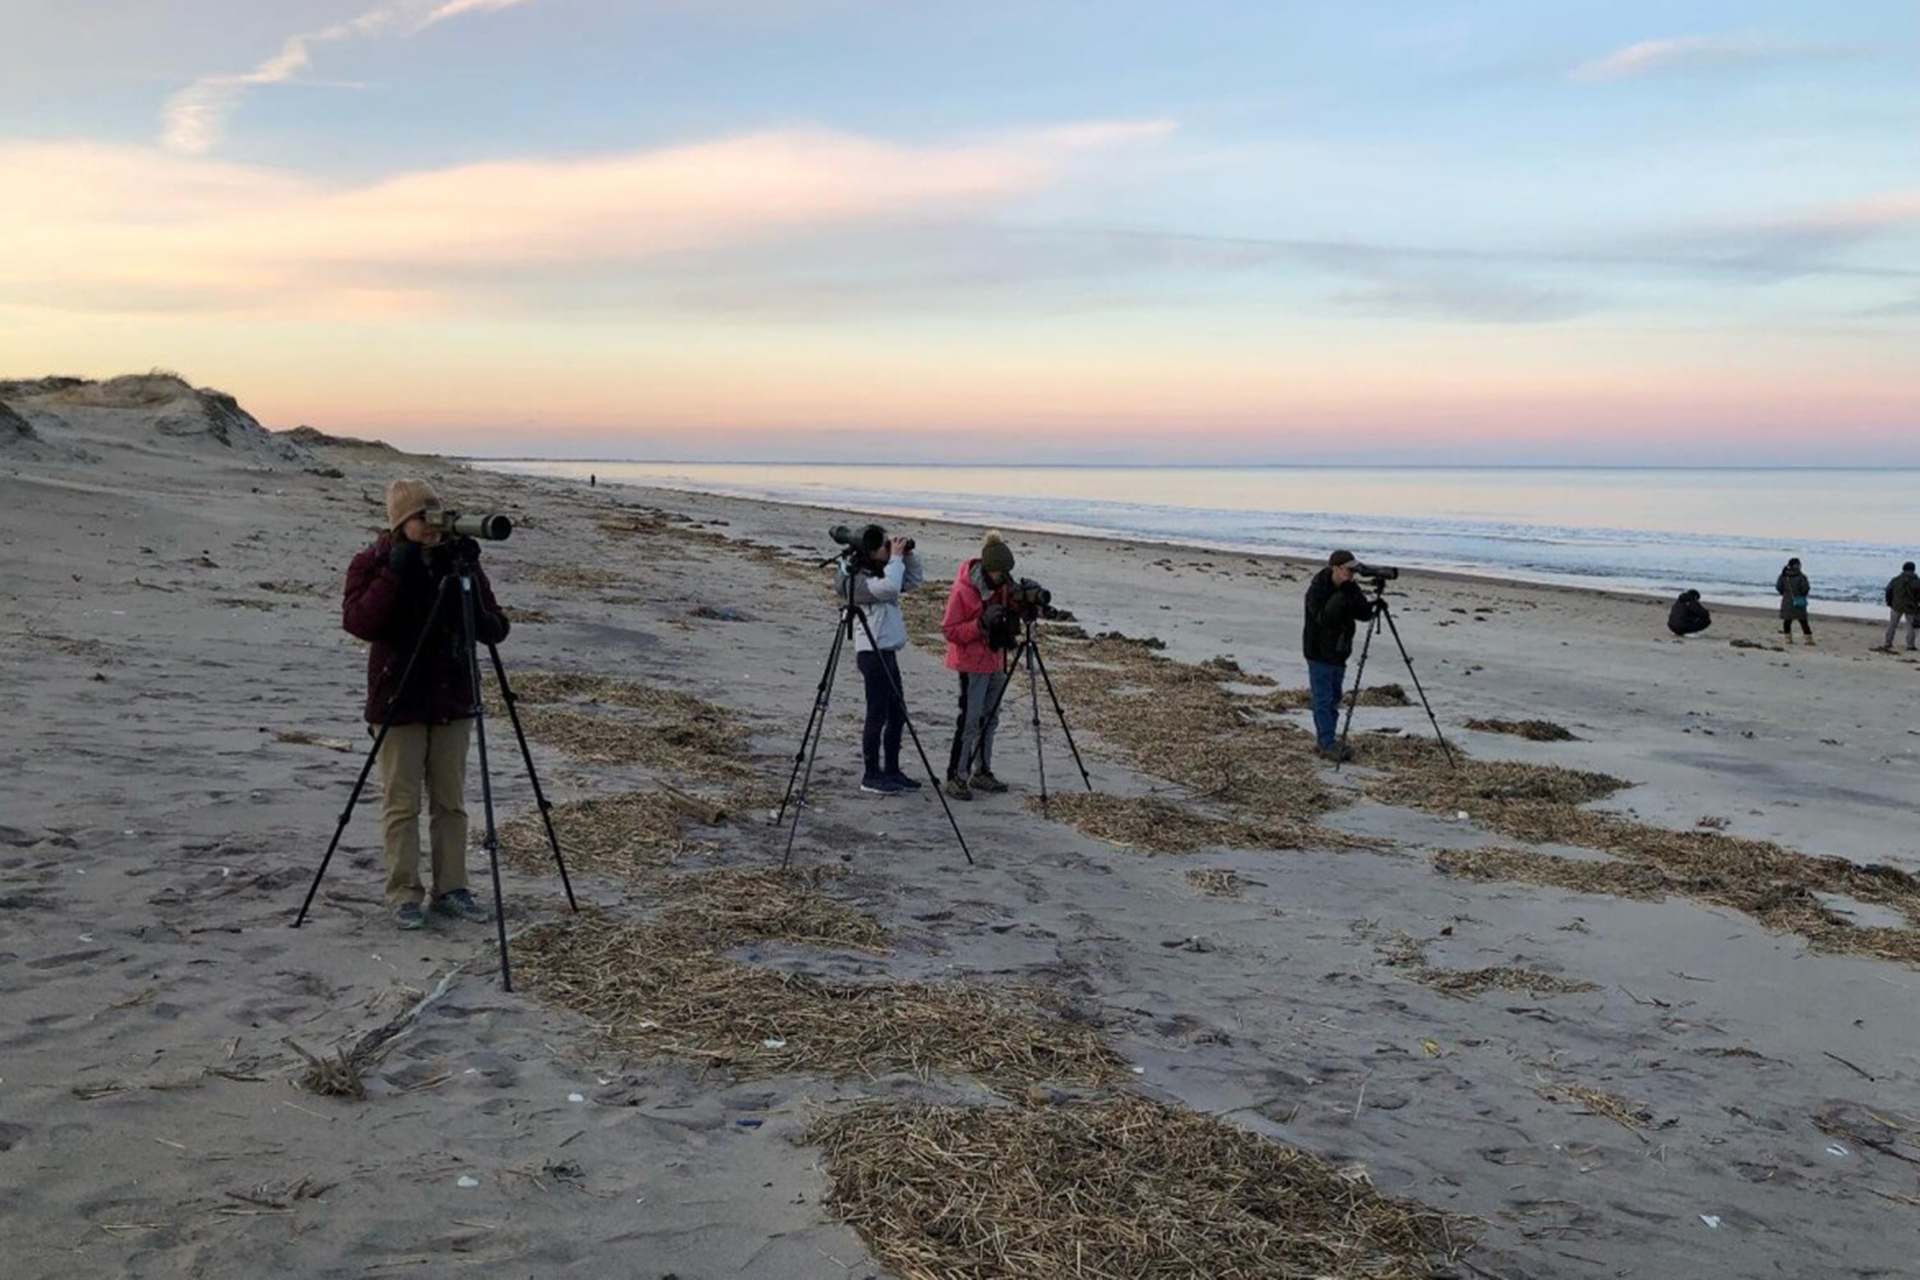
(390, 594)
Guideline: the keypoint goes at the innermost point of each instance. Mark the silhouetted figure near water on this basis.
(1903, 601)
(1794, 589)
(1688, 615)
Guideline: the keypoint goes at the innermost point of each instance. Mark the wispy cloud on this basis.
(83, 221)
(195, 117)
(1699, 52)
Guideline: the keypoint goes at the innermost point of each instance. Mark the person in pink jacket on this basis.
(977, 628)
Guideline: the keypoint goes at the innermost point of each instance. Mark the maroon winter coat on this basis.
(388, 610)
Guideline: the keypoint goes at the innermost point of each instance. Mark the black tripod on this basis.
(459, 577)
(1028, 655)
(1382, 614)
(850, 613)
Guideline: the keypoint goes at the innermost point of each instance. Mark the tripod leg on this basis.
(821, 693)
(508, 697)
(492, 841)
(1039, 753)
(1061, 713)
(939, 792)
(1447, 750)
(373, 752)
(1353, 701)
(810, 742)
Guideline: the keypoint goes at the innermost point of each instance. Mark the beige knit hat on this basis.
(995, 555)
(407, 499)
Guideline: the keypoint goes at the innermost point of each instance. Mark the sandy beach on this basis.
(1639, 1002)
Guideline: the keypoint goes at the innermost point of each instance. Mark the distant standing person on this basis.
(1794, 589)
(1334, 604)
(1903, 599)
(976, 600)
(593, 481)
(1688, 615)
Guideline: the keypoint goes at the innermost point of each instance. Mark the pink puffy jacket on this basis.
(966, 643)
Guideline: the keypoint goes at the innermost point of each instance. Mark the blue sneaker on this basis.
(901, 780)
(880, 784)
(408, 915)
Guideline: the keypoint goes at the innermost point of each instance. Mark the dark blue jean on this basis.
(886, 714)
(1325, 679)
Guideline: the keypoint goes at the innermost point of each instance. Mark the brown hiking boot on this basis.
(985, 781)
(1808, 642)
(958, 789)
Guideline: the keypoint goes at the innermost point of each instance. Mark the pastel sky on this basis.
(1103, 231)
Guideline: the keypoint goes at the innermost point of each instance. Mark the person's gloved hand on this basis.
(406, 558)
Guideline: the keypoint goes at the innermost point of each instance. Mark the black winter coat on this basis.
(1331, 614)
(1688, 615)
(1903, 593)
(389, 609)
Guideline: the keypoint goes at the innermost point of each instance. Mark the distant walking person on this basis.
(1688, 615)
(1794, 588)
(1903, 599)
(1334, 604)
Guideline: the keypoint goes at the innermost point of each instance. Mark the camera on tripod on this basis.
(458, 524)
(1375, 572)
(1026, 598)
(870, 539)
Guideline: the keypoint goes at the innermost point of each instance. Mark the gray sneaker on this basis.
(408, 915)
(460, 905)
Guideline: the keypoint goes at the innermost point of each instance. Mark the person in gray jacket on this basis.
(1794, 590)
(1903, 600)
(879, 578)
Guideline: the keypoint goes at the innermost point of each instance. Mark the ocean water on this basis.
(1726, 532)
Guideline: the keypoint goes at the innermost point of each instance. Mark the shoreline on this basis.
(1843, 614)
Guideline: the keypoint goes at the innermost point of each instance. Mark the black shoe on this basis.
(409, 916)
(460, 905)
(901, 780)
(1336, 753)
(880, 784)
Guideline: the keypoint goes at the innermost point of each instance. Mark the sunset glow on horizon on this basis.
(1219, 232)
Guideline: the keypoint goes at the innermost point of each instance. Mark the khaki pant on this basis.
(433, 755)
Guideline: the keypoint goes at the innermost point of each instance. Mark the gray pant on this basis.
(1893, 624)
(973, 728)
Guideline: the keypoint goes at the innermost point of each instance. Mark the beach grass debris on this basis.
(629, 723)
(1217, 882)
(1468, 983)
(653, 990)
(1379, 695)
(338, 1075)
(1610, 1106)
(720, 908)
(1111, 1187)
(1164, 826)
(1531, 730)
(628, 834)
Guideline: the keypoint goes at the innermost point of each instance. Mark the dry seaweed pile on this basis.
(628, 834)
(1611, 1106)
(654, 726)
(1111, 1188)
(1176, 722)
(1217, 882)
(1161, 826)
(720, 908)
(1531, 730)
(1473, 982)
(652, 990)
(1540, 804)
(1380, 695)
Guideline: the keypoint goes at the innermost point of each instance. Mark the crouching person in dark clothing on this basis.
(1688, 615)
(1334, 604)
(390, 594)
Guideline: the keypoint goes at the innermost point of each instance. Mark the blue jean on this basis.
(1325, 680)
(886, 714)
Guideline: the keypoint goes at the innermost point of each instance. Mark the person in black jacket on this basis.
(1903, 601)
(1793, 587)
(1334, 604)
(1688, 615)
